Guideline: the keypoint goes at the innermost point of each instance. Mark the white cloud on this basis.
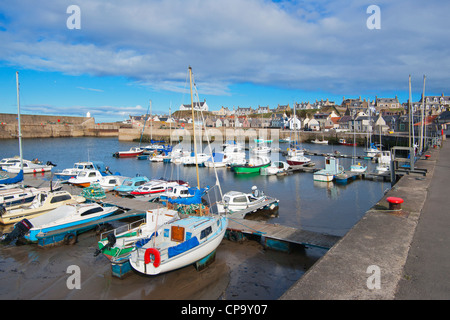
(298, 44)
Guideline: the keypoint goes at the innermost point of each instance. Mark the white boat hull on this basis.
(323, 177)
(181, 260)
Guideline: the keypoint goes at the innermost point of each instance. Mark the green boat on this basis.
(254, 165)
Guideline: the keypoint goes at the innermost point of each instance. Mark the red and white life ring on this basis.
(155, 253)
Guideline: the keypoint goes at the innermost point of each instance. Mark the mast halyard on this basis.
(18, 121)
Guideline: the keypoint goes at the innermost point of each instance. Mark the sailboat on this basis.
(371, 150)
(356, 167)
(183, 241)
(296, 155)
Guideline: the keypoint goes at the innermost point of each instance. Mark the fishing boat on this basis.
(34, 166)
(332, 168)
(85, 178)
(133, 152)
(65, 216)
(253, 165)
(130, 184)
(42, 203)
(117, 244)
(234, 201)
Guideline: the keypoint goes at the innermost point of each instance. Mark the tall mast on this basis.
(18, 121)
(422, 116)
(409, 116)
(151, 123)
(193, 127)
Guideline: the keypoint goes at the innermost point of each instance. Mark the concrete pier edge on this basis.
(368, 262)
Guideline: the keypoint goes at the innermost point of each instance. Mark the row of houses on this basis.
(432, 105)
(361, 122)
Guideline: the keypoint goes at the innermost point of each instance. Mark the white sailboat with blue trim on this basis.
(181, 242)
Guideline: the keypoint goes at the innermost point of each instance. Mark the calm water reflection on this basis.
(304, 203)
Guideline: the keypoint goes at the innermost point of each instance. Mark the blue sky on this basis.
(243, 53)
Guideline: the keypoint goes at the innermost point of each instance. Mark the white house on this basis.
(198, 106)
(314, 125)
(294, 123)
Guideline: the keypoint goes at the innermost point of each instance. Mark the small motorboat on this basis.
(86, 177)
(17, 196)
(234, 201)
(155, 186)
(43, 202)
(81, 166)
(358, 167)
(7, 162)
(34, 166)
(130, 184)
(66, 216)
(344, 142)
(108, 183)
(133, 152)
(276, 167)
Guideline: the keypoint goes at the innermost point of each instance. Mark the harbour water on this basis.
(241, 271)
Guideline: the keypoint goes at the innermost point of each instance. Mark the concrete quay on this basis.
(391, 254)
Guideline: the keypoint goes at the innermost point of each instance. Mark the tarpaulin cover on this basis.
(17, 178)
(182, 247)
(141, 242)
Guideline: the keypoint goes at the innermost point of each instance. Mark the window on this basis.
(60, 198)
(241, 199)
(205, 232)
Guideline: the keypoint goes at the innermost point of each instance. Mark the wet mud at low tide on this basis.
(240, 271)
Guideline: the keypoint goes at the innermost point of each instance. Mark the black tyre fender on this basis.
(70, 238)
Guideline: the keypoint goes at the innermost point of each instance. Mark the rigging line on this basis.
(209, 142)
(260, 232)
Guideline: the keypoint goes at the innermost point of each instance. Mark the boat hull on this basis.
(33, 234)
(324, 177)
(249, 169)
(181, 260)
(297, 162)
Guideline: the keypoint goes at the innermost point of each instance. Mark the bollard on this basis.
(427, 156)
(395, 203)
